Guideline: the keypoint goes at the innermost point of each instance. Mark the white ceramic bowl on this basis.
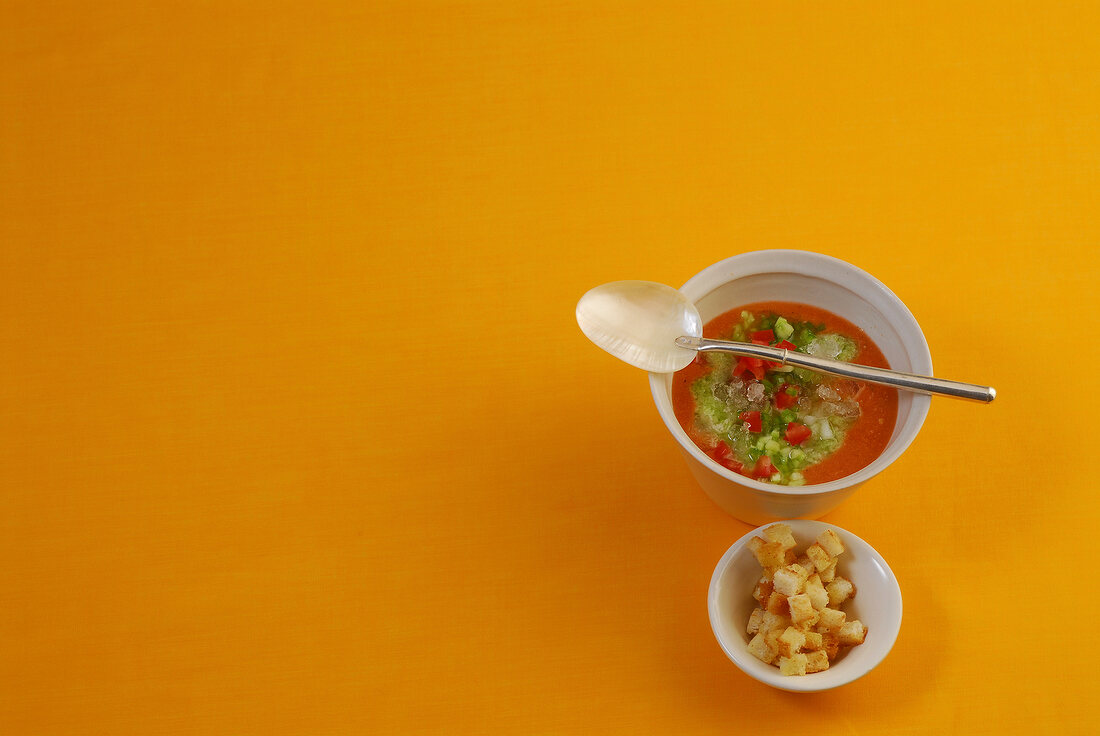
(877, 604)
(820, 281)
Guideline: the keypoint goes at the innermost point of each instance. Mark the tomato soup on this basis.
(782, 424)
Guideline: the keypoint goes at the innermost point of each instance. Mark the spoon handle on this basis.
(884, 376)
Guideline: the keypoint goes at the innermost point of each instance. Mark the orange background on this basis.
(297, 432)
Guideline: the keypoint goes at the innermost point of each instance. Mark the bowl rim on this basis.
(806, 263)
(885, 636)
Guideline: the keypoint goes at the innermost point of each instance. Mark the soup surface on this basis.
(781, 424)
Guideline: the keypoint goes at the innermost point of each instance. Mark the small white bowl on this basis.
(877, 604)
(820, 281)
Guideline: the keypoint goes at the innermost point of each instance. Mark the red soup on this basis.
(781, 424)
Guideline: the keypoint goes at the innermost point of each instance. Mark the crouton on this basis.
(801, 609)
(789, 580)
(770, 554)
(797, 625)
(762, 592)
(813, 641)
(852, 633)
(780, 533)
(793, 665)
(840, 590)
(817, 661)
(831, 619)
(774, 622)
(819, 597)
(777, 603)
(791, 641)
(806, 564)
(755, 620)
(819, 556)
(762, 650)
(831, 543)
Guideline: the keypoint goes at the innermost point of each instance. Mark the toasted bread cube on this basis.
(831, 543)
(817, 661)
(831, 644)
(777, 603)
(828, 573)
(818, 556)
(802, 610)
(762, 650)
(791, 641)
(756, 543)
(830, 619)
(789, 580)
(840, 590)
(762, 592)
(806, 564)
(780, 533)
(793, 665)
(775, 622)
(852, 633)
(772, 639)
(755, 620)
(819, 597)
(770, 554)
(813, 641)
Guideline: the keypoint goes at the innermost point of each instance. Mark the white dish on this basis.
(820, 281)
(877, 604)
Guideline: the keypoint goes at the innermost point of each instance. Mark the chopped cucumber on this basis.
(719, 403)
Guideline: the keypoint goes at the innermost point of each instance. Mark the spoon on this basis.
(654, 327)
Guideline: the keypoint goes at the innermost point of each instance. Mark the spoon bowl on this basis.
(638, 322)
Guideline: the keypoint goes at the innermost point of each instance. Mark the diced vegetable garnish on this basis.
(764, 336)
(786, 396)
(724, 455)
(797, 433)
(769, 421)
(764, 468)
(753, 366)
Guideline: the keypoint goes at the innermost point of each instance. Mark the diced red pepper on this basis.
(751, 418)
(783, 399)
(787, 344)
(724, 456)
(755, 366)
(797, 433)
(764, 468)
(764, 336)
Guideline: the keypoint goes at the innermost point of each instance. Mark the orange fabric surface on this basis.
(298, 434)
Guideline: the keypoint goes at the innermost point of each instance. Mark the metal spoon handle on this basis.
(884, 376)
